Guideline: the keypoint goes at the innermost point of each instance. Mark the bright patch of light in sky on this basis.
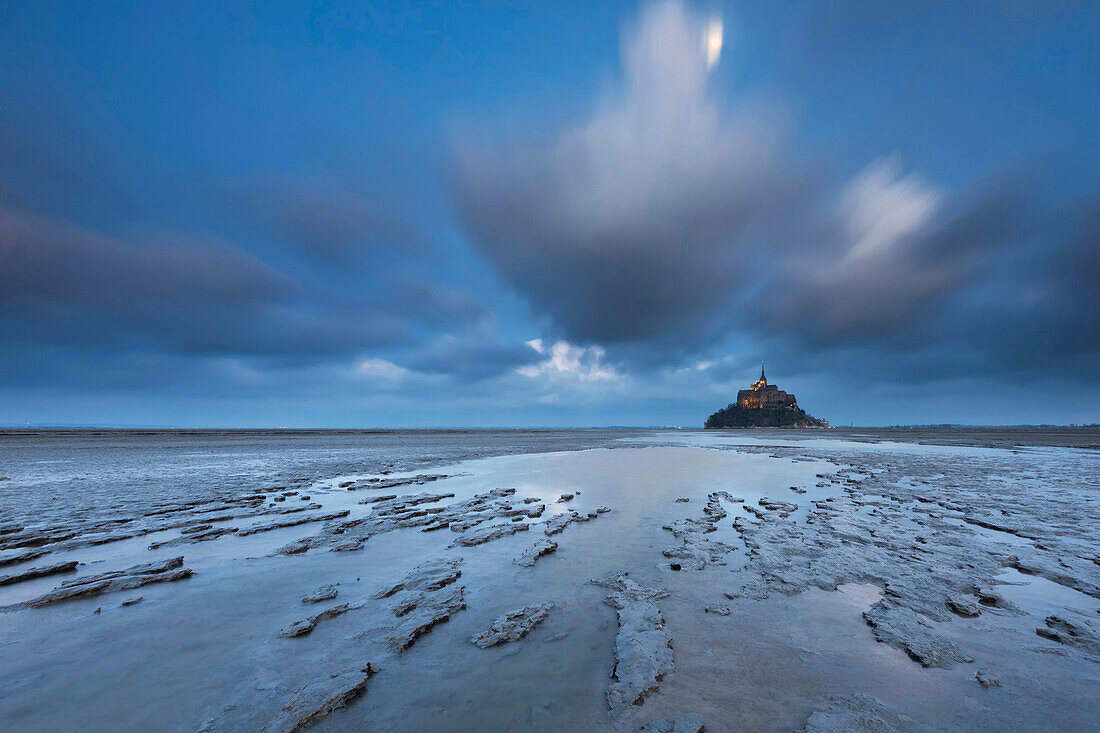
(714, 42)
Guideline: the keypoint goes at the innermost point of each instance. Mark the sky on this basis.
(353, 214)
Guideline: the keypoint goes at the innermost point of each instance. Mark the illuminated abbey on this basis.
(764, 405)
(763, 395)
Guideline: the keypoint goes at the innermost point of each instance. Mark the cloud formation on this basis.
(665, 216)
(630, 225)
(668, 220)
(888, 250)
(332, 224)
(471, 357)
(283, 244)
(66, 285)
(44, 261)
(565, 361)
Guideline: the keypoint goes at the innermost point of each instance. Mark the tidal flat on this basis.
(550, 580)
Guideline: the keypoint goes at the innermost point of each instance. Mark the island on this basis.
(763, 405)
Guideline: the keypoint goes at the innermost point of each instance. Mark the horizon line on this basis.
(896, 426)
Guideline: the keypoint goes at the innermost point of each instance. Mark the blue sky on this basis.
(576, 214)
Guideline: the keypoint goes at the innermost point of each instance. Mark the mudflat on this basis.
(550, 580)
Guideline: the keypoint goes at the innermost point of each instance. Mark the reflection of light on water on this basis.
(862, 595)
(714, 42)
(816, 440)
(1039, 596)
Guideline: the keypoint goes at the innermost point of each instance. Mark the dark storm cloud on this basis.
(665, 219)
(631, 226)
(1012, 293)
(1041, 309)
(658, 218)
(334, 225)
(200, 296)
(1077, 267)
(61, 284)
(471, 359)
(46, 262)
(887, 253)
(423, 299)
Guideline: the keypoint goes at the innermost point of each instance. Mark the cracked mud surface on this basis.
(512, 625)
(825, 582)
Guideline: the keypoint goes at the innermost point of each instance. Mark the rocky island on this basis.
(763, 405)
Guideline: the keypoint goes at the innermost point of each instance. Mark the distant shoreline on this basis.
(176, 428)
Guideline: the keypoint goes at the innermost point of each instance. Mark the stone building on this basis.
(761, 395)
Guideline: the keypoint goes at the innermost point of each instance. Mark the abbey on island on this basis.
(764, 405)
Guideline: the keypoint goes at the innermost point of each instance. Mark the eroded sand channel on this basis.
(835, 583)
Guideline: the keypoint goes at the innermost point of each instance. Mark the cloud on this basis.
(995, 281)
(43, 261)
(380, 369)
(1038, 310)
(564, 361)
(332, 224)
(890, 249)
(65, 285)
(470, 358)
(629, 226)
(436, 306)
(668, 223)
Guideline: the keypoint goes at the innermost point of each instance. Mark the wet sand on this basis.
(824, 583)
